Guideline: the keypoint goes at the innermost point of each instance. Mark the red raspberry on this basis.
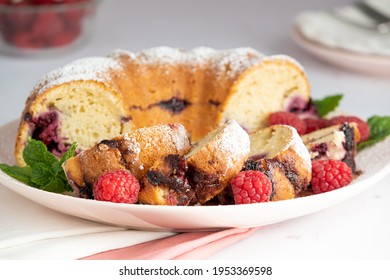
(328, 175)
(251, 187)
(26, 40)
(44, 2)
(363, 127)
(118, 186)
(19, 20)
(288, 118)
(47, 24)
(313, 124)
(62, 39)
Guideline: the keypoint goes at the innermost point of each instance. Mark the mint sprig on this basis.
(43, 170)
(328, 104)
(379, 130)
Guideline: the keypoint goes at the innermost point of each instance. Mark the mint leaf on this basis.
(36, 154)
(55, 185)
(68, 154)
(42, 175)
(22, 174)
(328, 104)
(43, 171)
(379, 130)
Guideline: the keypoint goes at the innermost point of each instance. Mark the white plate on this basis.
(358, 62)
(374, 162)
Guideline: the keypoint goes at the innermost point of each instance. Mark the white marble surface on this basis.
(356, 229)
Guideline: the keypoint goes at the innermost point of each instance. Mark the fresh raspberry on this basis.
(288, 118)
(62, 39)
(363, 127)
(19, 20)
(26, 40)
(313, 124)
(328, 175)
(47, 24)
(118, 186)
(251, 187)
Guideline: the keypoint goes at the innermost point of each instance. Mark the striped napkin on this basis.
(29, 231)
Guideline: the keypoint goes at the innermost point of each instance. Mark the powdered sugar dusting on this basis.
(164, 136)
(282, 57)
(179, 138)
(168, 55)
(134, 147)
(118, 53)
(234, 143)
(297, 144)
(132, 144)
(227, 62)
(236, 61)
(91, 68)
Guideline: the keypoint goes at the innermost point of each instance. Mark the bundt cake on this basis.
(279, 152)
(136, 151)
(97, 98)
(336, 142)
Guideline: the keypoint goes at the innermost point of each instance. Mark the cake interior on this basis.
(268, 142)
(277, 85)
(98, 116)
(203, 142)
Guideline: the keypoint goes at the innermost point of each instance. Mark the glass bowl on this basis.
(35, 27)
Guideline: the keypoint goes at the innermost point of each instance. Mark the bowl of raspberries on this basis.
(42, 26)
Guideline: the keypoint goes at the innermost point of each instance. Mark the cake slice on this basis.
(334, 142)
(166, 183)
(201, 174)
(279, 152)
(75, 103)
(216, 159)
(135, 151)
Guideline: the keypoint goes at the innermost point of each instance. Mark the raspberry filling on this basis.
(180, 192)
(320, 149)
(298, 105)
(175, 105)
(45, 128)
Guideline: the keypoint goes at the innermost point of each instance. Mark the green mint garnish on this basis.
(328, 104)
(379, 130)
(43, 170)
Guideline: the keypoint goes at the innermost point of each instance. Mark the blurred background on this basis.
(221, 24)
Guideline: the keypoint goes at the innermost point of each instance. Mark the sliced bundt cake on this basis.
(136, 151)
(92, 99)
